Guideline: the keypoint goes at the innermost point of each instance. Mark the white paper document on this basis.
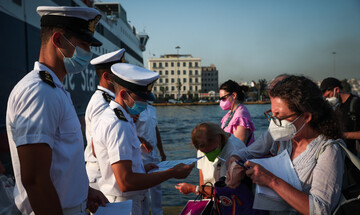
(281, 166)
(115, 208)
(170, 164)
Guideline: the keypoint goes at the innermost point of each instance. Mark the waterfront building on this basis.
(180, 76)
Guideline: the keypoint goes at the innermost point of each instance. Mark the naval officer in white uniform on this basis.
(97, 104)
(116, 145)
(43, 129)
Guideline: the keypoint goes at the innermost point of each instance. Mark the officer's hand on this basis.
(182, 170)
(150, 166)
(135, 117)
(95, 199)
(145, 145)
(185, 188)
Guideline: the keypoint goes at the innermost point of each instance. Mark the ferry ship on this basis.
(20, 43)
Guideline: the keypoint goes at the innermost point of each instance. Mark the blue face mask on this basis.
(78, 62)
(137, 108)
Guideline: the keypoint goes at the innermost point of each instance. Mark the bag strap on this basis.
(353, 158)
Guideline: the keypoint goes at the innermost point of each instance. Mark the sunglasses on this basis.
(223, 98)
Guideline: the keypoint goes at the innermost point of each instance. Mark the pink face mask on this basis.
(225, 105)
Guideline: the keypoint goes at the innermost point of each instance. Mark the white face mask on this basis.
(333, 101)
(286, 131)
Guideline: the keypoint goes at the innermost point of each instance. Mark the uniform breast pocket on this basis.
(70, 124)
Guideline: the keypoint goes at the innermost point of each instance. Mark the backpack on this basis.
(350, 199)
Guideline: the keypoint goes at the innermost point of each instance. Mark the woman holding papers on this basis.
(303, 124)
(215, 146)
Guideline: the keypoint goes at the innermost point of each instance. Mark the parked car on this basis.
(203, 101)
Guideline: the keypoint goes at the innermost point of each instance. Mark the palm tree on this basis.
(261, 87)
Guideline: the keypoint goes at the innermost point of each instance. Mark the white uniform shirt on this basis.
(95, 108)
(39, 113)
(114, 140)
(146, 128)
(209, 168)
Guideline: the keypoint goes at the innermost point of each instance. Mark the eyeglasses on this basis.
(223, 98)
(277, 121)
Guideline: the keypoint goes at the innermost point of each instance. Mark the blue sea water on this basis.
(176, 124)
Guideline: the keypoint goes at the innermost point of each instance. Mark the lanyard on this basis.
(230, 117)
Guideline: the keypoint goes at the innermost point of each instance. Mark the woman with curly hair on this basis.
(303, 124)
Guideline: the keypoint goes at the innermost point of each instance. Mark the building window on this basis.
(172, 88)
(166, 64)
(166, 80)
(154, 88)
(160, 64)
(178, 64)
(160, 72)
(166, 72)
(160, 80)
(196, 80)
(196, 64)
(184, 72)
(184, 87)
(196, 88)
(184, 64)
(184, 80)
(190, 64)
(190, 80)
(190, 87)
(172, 80)
(190, 72)
(178, 72)
(167, 88)
(172, 72)
(172, 64)
(154, 65)
(196, 72)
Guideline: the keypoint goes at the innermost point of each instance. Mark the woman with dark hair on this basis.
(238, 120)
(303, 124)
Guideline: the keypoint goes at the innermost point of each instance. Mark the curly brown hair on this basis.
(303, 95)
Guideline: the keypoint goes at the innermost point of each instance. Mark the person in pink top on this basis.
(238, 120)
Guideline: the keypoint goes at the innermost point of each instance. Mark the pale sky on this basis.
(255, 39)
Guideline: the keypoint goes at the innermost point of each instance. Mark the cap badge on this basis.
(93, 22)
(47, 78)
(120, 114)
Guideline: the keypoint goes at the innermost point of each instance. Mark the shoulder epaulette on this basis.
(107, 97)
(47, 78)
(120, 114)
